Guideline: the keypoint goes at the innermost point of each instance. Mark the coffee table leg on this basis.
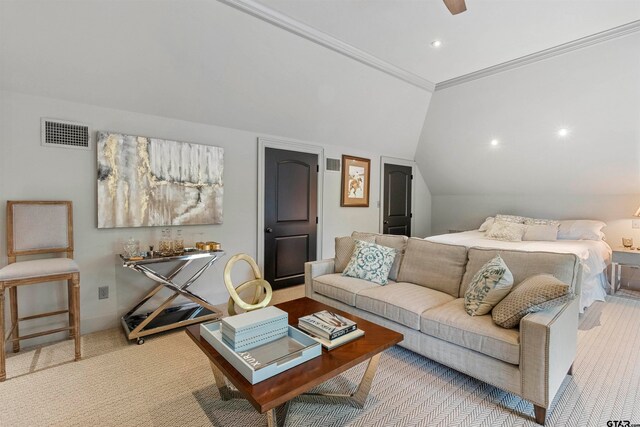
(225, 392)
(359, 397)
(277, 417)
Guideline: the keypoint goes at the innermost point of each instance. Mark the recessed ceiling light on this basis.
(562, 132)
(436, 43)
(495, 142)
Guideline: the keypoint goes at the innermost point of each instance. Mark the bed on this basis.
(595, 256)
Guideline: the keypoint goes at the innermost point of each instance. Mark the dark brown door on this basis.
(290, 218)
(397, 200)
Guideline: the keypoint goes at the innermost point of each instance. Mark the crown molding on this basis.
(287, 23)
(603, 36)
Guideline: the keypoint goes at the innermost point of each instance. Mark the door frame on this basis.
(291, 145)
(401, 162)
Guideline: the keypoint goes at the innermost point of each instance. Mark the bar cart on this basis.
(166, 317)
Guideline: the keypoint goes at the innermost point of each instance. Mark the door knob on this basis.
(386, 222)
(268, 230)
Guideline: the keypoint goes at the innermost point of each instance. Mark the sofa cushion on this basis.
(437, 266)
(522, 264)
(396, 242)
(401, 302)
(451, 323)
(341, 288)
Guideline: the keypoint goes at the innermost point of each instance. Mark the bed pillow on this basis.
(511, 218)
(370, 262)
(581, 229)
(487, 224)
(488, 287)
(541, 232)
(535, 293)
(507, 231)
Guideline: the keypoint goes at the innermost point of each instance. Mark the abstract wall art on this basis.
(155, 182)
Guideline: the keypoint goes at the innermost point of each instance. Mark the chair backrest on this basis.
(39, 227)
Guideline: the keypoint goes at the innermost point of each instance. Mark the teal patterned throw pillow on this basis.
(370, 262)
(488, 287)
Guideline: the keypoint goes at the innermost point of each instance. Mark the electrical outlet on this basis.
(635, 223)
(103, 292)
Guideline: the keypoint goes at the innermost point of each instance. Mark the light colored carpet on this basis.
(168, 382)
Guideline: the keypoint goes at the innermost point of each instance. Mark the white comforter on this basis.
(595, 256)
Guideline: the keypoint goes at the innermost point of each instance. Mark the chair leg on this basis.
(70, 304)
(76, 314)
(13, 302)
(540, 414)
(3, 371)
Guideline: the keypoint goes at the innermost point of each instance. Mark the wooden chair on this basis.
(39, 227)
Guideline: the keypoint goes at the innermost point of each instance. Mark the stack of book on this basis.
(329, 329)
(248, 330)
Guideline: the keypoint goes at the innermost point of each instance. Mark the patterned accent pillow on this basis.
(508, 231)
(488, 287)
(511, 218)
(536, 221)
(535, 293)
(370, 262)
(399, 243)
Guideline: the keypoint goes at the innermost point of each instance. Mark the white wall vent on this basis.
(333, 164)
(65, 134)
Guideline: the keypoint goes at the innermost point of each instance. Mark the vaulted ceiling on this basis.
(488, 33)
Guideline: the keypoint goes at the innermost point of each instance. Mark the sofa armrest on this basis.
(315, 269)
(548, 346)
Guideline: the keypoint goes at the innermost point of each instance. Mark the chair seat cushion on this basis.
(401, 302)
(450, 322)
(341, 288)
(38, 268)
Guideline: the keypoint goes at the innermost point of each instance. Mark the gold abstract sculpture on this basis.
(260, 284)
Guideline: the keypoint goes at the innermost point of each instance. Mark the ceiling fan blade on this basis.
(455, 6)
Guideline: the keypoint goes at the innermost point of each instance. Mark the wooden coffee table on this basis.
(272, 396)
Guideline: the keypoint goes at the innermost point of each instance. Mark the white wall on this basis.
(31, 171)
(197, 71)
(594, 173)
(204, 62)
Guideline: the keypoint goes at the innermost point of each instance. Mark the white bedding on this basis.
(595, 256)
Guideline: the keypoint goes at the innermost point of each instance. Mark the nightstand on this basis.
(622, 257)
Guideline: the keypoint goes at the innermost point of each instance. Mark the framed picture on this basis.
(355, 181)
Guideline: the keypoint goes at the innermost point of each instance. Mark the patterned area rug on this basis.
(168, 382)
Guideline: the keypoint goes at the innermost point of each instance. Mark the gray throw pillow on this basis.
(535, 293)
(344, 250)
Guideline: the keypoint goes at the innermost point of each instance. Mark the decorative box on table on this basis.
(267, 360)
(247, 330)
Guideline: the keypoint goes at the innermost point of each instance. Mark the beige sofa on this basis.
(425, 304)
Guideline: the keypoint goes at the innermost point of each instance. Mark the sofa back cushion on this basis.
(523, 264)
(433, 265)
(398, 243)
